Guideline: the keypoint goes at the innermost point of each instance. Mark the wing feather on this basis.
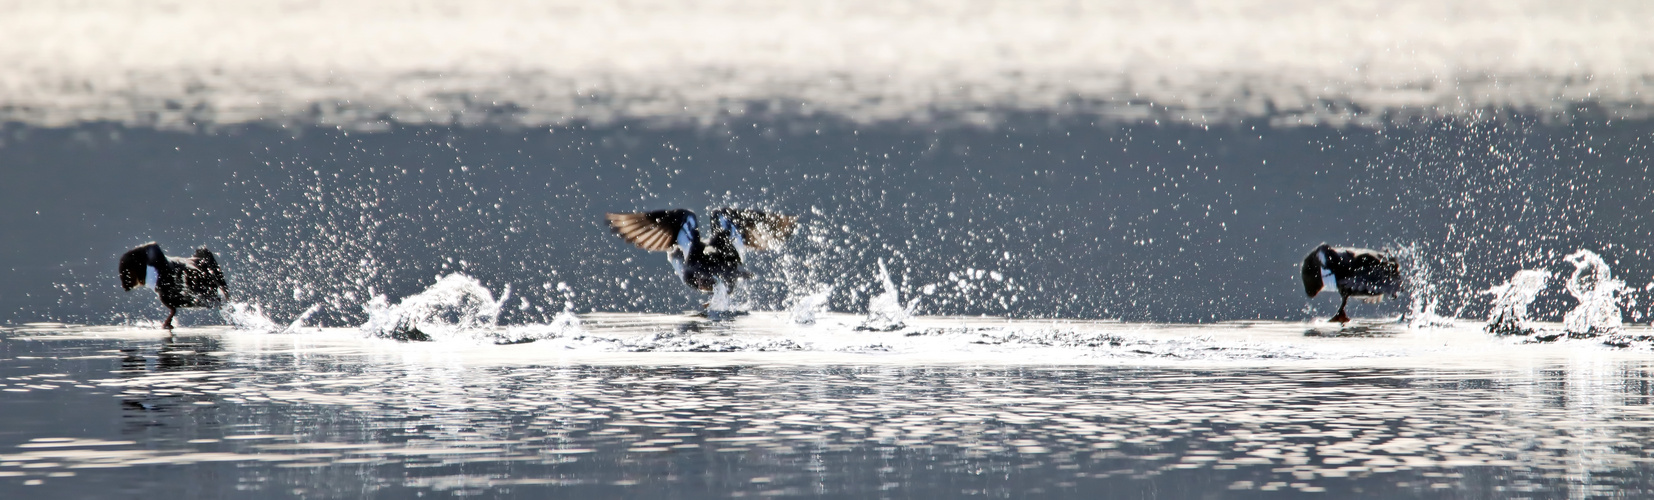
(655, 231)
(761, 230)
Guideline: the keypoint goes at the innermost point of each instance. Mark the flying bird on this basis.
(194, 281)
(1353, 272)
(702, 264)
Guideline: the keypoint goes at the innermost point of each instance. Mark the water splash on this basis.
(248, 317)
(720, 301)
(251, 317)
(1509, 315)
(722, 304)
(565, 324)
(455, 307)
(1598, 292)
(885, 311)
(1423, 296)
(802, 310)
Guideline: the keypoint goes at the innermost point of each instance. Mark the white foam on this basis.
(251, 317)
(455, 307)
(803, 309)
(885, 311)
(565, 324)
(773, 337)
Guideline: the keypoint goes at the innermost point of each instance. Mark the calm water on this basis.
(1244, 410)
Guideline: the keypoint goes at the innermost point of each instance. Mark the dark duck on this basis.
(1356, 272)
(703, 263)
(194, 281)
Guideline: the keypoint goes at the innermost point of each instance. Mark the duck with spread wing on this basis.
(718, 258)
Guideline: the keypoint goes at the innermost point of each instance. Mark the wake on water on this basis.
(457, 307)
(251, 317)
(460, 308)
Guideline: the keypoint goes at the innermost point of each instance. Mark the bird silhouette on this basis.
(194, 281)
(1356, 272)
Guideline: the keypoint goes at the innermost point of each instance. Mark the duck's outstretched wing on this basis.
(655, 231)
(759, 230)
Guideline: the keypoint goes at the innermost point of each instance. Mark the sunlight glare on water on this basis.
(1128, 407)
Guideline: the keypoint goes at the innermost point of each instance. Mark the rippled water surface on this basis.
(651, 406)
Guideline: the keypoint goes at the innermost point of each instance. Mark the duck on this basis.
(195, 281)
(1354, 272)
(702, 264)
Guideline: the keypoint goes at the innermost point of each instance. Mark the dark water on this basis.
(213, 414)
(1085, 218)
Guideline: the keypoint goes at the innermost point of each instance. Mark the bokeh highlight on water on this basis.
(1146, 222)
(1170, 167)
(1105, 176)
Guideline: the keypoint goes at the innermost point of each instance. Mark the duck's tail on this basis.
(207, 262)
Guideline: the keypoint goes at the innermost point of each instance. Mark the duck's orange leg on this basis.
(1341, 317)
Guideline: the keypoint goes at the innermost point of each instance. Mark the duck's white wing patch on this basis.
(676, 258)
(687, 233)
(726, 222)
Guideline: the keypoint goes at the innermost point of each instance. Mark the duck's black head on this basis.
(133, 264)
(1312, 270)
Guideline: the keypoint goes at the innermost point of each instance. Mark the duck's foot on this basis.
(1340, 318)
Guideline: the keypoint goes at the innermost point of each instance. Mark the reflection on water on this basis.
(213, 413)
